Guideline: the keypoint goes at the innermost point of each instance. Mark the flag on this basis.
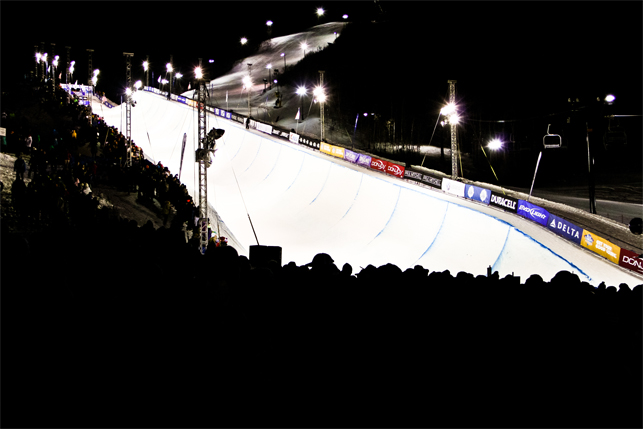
(297, 117)
(188, 86)
(60, 75)
(159, 81)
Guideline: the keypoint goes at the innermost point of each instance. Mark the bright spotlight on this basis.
(269, 66)
(304, 46)
(320, 11)
(96, 72)
(138, 84)
(301, 90)
(179, 75)
(169, 67)
(145, 65)
(610, 98)
(268, 23)
(198, 73)
(495, 144)
(244, 40)
(128, 91)
(448, 109)
(247, 82)
(454, 119)
(345, 16)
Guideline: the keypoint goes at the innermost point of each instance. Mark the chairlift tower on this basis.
(454, 144)
(89, 66)
(128, 106)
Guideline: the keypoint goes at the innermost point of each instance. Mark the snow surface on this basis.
(308, 202)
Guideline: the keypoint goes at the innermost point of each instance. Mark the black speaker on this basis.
(261, 255)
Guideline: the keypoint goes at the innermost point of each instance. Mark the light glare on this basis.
(610, 98)
(495, 144)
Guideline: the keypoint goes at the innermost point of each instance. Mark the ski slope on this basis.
(308, 202)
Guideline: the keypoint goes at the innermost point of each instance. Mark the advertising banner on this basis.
(337, 151)
(564, 228)
(601, 246)
(453, 187)
(325, 148)
(477, 193)
(378, 164)
(631, 260)
(364, 160)
(181, 99)
(294, 138)
(432, 180)
(351, 156)
(413, 175)
(395, 169)
(264, 127)
(108, 105)
(504, 202)
(533, 212)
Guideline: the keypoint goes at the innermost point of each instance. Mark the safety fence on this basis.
(567, 230)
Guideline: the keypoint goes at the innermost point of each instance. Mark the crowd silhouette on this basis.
(111, 323)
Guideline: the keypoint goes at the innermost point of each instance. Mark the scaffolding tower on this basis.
(202, 158)
(128, 106)
(454, 143)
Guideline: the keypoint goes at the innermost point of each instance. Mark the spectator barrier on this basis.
(557, 225)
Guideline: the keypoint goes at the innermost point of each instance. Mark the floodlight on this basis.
(454, 119)
(448, 109)
(610, 98)
(268, 23)
(345, 16)
(179, 75)
(138, 84)
(301, 90)
(495, 144)
(198, 72)
(269, 66)
(145, 65)
(96, 72)
(169, 67)
(320, 11)
(244, 40)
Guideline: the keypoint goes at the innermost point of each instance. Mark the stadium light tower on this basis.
(146, 67)
(204, 155)
(128, 106)
(453, 121)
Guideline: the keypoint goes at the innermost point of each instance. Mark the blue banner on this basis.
(181, 99)
(477, 194)
(533, 212)
(564, 228)
(364, 160)
(351, 156)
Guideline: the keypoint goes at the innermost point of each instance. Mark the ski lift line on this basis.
(431, 139)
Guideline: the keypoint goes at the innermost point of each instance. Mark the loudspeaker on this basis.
(261, 255)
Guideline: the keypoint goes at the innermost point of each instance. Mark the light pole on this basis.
(283, 54)
(146, 67)
(321, 97)
(248, 83)
(170, 69)
(304, 46)
(269, 67)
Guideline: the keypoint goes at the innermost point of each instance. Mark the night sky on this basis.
(506, 56)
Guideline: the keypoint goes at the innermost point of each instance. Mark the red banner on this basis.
(395, 169)
(378, 164)
(631, 260)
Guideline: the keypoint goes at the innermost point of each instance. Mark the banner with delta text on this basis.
(601, 246)
(564, 228)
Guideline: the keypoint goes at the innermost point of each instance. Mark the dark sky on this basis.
(509, 52)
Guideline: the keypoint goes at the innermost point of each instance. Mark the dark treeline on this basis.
(111, 324)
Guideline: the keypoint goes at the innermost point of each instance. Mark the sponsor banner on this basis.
(337, 151)
(238, 118)
(395, 169)
(564, 228)
(533, 212)
(108, 105)
(378, 164)
(631, 260)
(228, 115)
(477, 193)
(601, 246)
(504, 202)
(293, 138)
(432, 180)
(453, 187)
(325, 148)
(351, 156)
(264, 127)
(413, 175)
(181, 99)
(364, 160)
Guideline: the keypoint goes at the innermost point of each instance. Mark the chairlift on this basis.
(552, 141)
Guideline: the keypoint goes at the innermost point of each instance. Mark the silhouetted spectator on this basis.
(20, 166)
